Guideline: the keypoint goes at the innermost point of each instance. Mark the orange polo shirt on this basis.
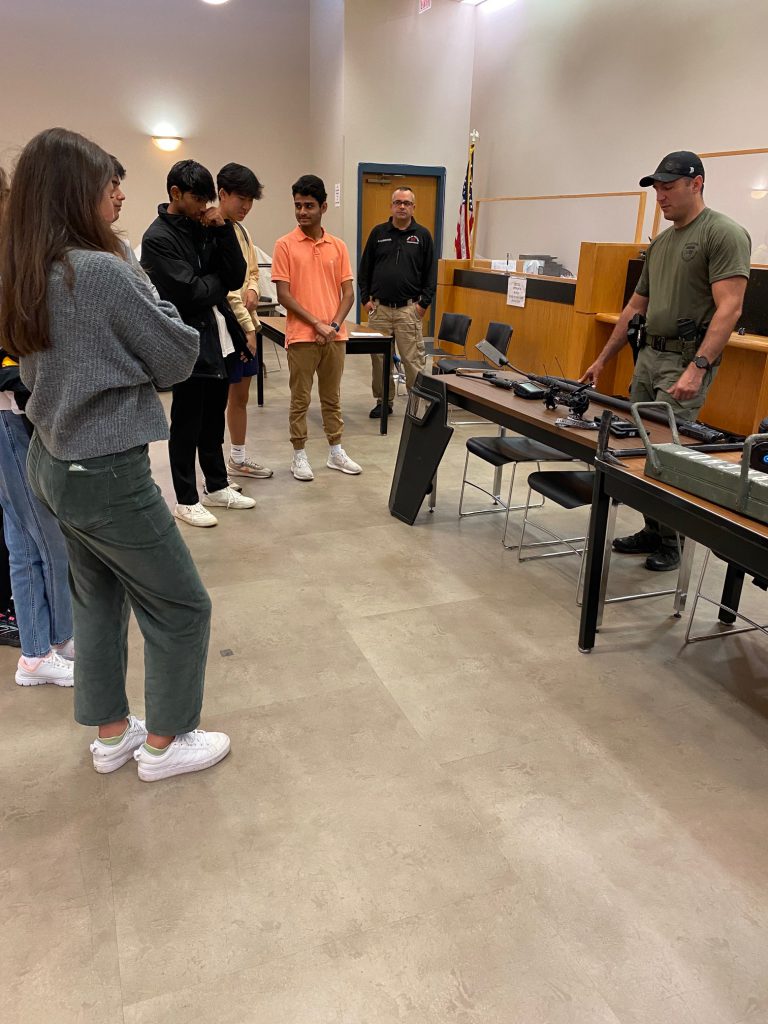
(314, 272)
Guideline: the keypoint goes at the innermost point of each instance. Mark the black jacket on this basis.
(398, 266)
(194, 268)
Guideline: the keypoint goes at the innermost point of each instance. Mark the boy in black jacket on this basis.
(193, 258)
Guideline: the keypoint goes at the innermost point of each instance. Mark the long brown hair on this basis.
(3, 193)
(53, 207)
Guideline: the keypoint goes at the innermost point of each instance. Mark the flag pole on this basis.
(465, 229)
(474, 135)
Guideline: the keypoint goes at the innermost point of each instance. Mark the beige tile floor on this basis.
(436, 810)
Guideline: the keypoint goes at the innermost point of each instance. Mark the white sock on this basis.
(298, 451)
(335, 449)
(237, 452)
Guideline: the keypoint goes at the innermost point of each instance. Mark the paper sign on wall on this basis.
(337, 194)
(424, 5)
(516, 291)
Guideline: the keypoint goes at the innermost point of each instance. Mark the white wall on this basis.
(326, 101)
(568, 95)
(588, 95)
(407, 93)
(234, 79)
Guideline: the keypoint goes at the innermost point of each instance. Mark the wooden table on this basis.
(743, 542)
(531, 418)
(274, 328)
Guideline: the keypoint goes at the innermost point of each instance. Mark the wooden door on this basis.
(377, 200)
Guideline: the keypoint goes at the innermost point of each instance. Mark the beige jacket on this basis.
(248, 321)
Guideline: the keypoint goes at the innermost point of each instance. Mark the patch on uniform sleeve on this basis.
(689, 251)
(413, 239)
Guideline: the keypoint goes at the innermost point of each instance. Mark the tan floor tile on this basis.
(330, 821)
(504, 963)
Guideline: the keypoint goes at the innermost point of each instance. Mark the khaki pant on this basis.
(656, 372)
(405, 325)
(305, 359)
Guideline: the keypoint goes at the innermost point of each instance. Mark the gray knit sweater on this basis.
(112, 341)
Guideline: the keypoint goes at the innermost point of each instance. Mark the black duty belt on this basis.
(661, 344)
(395, 305)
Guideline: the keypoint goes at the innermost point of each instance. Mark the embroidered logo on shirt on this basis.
(412, 239)
(380, 240)
(689, 251)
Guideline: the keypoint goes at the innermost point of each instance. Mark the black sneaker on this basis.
(375, 413)
(642, 543)
(9, 630)
(665, 560)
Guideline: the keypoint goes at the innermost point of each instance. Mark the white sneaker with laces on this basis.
(66, 650)
(248, 468)
(50, 669)
(188, 752)
(300, 466)
(342, 462)
(195, 515)
(227, 497)
(108, 757)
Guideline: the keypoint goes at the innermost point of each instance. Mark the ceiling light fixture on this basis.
(168, 143)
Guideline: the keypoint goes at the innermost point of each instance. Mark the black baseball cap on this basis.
(682, 164)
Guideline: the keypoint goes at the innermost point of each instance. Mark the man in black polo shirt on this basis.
(397, 285)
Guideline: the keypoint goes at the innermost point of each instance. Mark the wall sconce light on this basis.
(759, 193)
(168, 143)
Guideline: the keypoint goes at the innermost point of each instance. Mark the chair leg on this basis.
(525, 524)
(463, 484)
(684, 576)
(509, 503)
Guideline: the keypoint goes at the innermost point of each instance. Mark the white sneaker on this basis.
(50, 669)
(300, 466)
(189, 752)
(66, 650)
(108, 757)
(195, 515)
(248, 468)
(234, 485)
(343, 462)
(227, 497)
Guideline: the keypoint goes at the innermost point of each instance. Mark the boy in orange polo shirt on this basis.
(314, 282)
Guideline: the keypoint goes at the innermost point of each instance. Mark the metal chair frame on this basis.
(727, 631)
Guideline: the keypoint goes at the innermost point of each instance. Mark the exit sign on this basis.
(424, 5)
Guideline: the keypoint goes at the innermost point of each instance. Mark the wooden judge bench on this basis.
(566, 322)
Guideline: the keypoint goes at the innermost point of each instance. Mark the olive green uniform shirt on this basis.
(682, 265)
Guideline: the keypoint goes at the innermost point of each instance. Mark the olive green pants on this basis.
(126, 552)
(656, 372)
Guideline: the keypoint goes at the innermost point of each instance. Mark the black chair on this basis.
(454, 328)
(569, 489)
(498, 335)
(573, 489)
(499, 452)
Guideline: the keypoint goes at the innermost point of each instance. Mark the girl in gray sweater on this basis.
(93, 342)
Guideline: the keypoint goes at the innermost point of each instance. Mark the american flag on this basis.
(466, 212)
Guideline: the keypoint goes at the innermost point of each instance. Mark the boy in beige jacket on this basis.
(238, 186)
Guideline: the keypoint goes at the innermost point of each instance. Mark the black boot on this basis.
(375, 413)
(665, 560)
(642, 543)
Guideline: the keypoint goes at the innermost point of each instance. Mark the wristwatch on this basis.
(336, 327)
(702, 363)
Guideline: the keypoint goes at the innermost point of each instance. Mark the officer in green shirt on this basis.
(696, 270)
